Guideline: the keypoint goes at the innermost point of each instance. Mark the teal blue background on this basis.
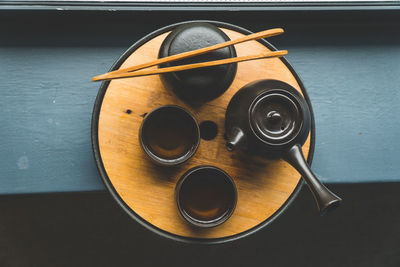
(351, 72)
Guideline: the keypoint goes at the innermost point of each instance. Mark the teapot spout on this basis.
(236, 138)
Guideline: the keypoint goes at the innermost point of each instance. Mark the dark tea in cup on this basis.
(206, 196)
(169, 135)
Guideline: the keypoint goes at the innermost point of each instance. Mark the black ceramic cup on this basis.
(203, 84)
(206, 196)
(169, 135)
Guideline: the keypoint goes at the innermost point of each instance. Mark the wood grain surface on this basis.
(263, 186)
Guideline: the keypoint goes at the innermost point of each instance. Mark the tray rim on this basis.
(108, 184)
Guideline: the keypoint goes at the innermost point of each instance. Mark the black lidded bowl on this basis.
(202, 84)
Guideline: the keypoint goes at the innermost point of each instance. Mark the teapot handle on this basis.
(325, 199)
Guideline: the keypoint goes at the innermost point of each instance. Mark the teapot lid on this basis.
(276, 117)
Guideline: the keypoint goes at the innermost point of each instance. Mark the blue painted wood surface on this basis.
(46, 101)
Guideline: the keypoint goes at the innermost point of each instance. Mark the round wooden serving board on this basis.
(146, 190)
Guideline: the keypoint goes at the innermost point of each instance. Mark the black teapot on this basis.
(270, 118)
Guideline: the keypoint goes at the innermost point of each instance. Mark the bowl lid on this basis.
(203, 83)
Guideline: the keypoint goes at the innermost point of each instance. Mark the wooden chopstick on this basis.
(253, 36)
(193, 66)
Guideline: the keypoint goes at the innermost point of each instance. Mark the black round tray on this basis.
(111, 189)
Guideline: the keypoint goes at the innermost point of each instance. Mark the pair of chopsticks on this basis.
(133, 71)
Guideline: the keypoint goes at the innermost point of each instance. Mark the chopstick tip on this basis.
(98, 78)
